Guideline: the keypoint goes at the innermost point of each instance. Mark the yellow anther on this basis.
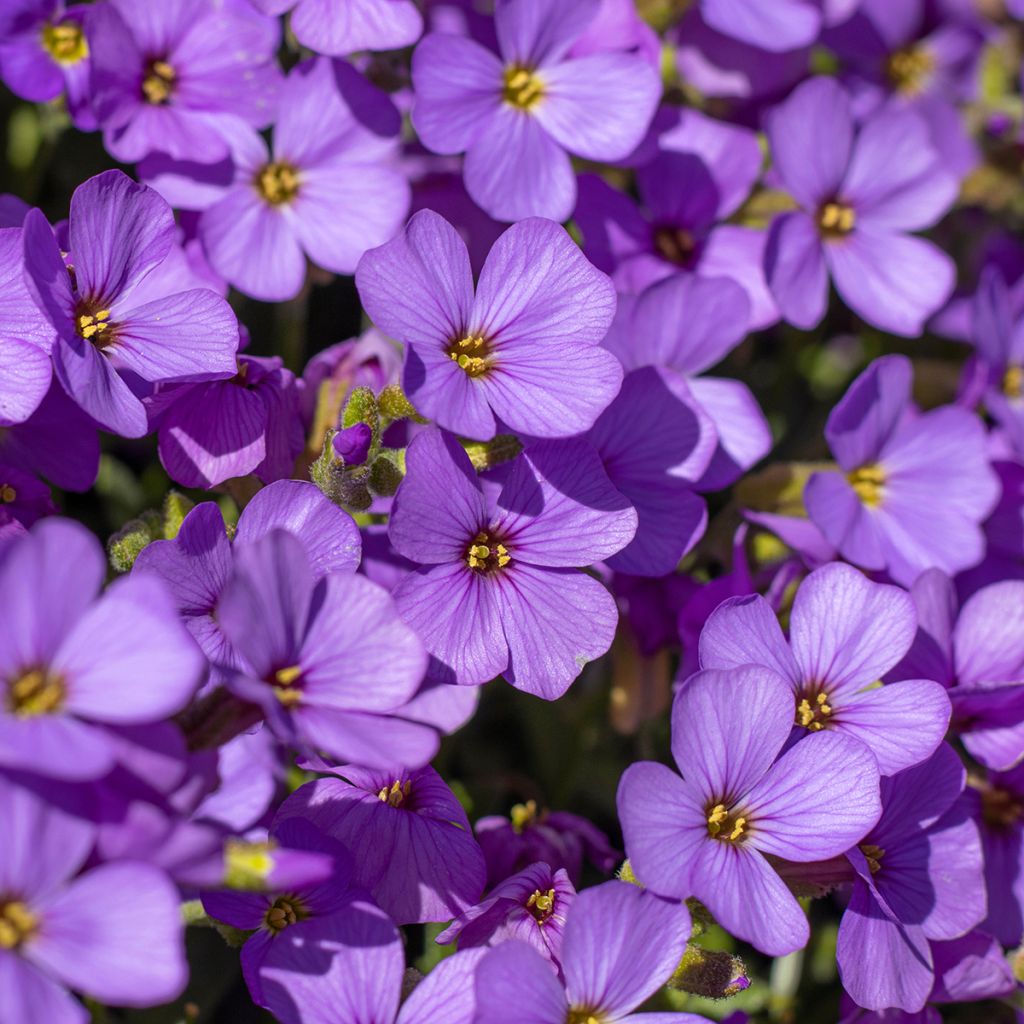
(158, 82)
(247, 866)
(908, 70)
(541, 905)
(1013, 381)
(17, 924)
(722, 825)
(812, 713)
(873, 855)
(484, 555)
(66, 42)
(868, 483)
(284, 681)
(285, 911)
(396, 795)
(737, 830)
(583, 1016)
(278, 182)
(523, 88)
(8, 494)
(91, 324)
(287, 676)
(523, 815)
(836, 220)
(36, 692)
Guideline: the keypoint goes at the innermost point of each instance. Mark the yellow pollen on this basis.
(836, 220)
(523, 88)
(868, 483)
(159, 82)
(396, 795)
(583, 1016)
(471, 354)
(484, 555)
(17, 924)
(285, 911)
(92, 326)
(8, 494)
(873, 855)
(278, 182)
(523, 815)
(1013, 381)
(284, 685)
(65, 42)
(541, 904)
(908, 70)
(677, 245)
(35, 692)
(812, 714)
(722, 825)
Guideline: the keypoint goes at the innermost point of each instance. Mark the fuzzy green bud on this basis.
(129, 542)
(176, 507)
(713, 974)
(487, 454)
(394, 405)
(385, 476)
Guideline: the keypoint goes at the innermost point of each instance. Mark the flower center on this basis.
(17, 924)
(1000, 808)
(65, 42)
(1013, 381)
(724, 823)
(285, 911)
(836, 220)
(471, 353)
(813, 711)
(396, 795)
(873, 855)
(677, 245)
(583, 1016)
(247, 865)
(908, 69)
(94, 325)
(868, 482)
(285, 681)
(486, 555)
(523, 815)
(541, 905)
(158, 82)
(8, 495)
(35, 692)
(522, 87)
(278, 182)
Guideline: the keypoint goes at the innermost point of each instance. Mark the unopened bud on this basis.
(487, 454)
(129, 542)
(176, 507)
(361, 407)
(385, 476)
(352, 445)
(394, 405)
(711, 973)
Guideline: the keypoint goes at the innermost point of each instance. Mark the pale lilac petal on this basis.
(746, 631)
(918, 797)
(447, 994)
(847, 524)
(328, 26)
(107, 955)
(895, 282)
(519, 986)
(56, 745)
(536, 32)
(555, 621)
(45, 273)
(795, 268)
(776, 25)
(31, 997)
(989, 635)
(442, 391)
(736, 252)
(728, 726)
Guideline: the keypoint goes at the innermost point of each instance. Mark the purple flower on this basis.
(688, 324)
(23, 497)
(328, 189)
(518, 114)
(164, 81)
(860, 196)
(919, 878)
(325, 657)
(707, 834)
(119, 233)
(410, 840)
(340, 27)
(557, 838)
(978, 653)
(845, 634)
(530, 907)
(70, 664)
(889, 505)
(620, 946)
(523, 350)
(113, 932)
(498, 591)
(699, 176)
(45, 53)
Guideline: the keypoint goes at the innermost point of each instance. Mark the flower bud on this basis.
(352, 445)
(711, 973)
(385, 476)
(395, 406)
(128, 543)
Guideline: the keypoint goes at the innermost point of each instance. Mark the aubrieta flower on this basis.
(523, 351)
(860, 197)
(620, 945)
(340, 27)
(707, 834)
(845, 634)
(889, 505)
(119, 232)
(498, 591)
(44, 53)
(977, 652)
(113, 932)
(163, 80)
(410, 840)
(530, 906)
(519, 113)
(328, 189)
(70, 663)
(918, 878)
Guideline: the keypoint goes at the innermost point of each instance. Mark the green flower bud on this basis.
(394, 405)
(487, 454)
(385, 476)
(176, 507)
(713, 974)
(128, 543)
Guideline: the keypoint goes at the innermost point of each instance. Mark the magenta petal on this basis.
(31, 997)
(746, 631)
(519, 986)
(106, 955)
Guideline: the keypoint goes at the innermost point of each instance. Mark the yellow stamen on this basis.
(36, 692)
(1013, 381)
(159, 82)
(722, 825)
(868, 483)
(523, 815)
(523, 88)
(17, 924)
(583, 1016)
(541, 904)
(66, 42)
(908, 70)
(278, 182)
(92, 324)
(836, 220)
(396, 795)
(285, 911)
(812, 714)
(485, 556)
(285, 690)
(873, 855)
(471, 354)
(8, 494)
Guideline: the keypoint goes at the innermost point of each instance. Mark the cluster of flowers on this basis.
(506, 472)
